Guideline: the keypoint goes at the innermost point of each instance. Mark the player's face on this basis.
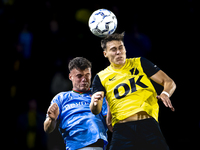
(116, 53)
(81, 79)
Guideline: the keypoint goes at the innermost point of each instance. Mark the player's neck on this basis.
(117, 66)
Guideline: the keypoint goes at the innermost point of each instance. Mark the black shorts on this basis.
(138, 135)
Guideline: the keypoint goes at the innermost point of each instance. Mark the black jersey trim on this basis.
(148, 67)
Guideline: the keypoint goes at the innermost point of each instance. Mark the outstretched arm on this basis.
(169, 86)
(50, 122)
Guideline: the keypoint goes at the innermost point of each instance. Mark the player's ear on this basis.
(105, 53)
(70, 76)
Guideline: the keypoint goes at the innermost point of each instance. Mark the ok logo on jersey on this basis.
(126, 87)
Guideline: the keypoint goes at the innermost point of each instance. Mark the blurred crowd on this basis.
(38, 38)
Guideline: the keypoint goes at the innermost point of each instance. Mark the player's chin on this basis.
(84, 88)
(119, 62)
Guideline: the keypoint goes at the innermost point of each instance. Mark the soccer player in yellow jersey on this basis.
(131, 97)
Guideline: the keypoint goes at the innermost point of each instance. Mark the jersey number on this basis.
(127, 88)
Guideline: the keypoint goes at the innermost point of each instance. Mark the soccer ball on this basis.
(102, 22)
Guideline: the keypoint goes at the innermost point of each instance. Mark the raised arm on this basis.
(50, 122)
(96, 102)
(98, 95)
(169, 86)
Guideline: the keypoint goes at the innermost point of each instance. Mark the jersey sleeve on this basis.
(148, 67)
(96, 85)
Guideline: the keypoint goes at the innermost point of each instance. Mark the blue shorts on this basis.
(138, 135)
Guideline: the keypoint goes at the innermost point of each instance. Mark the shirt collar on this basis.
(80, 92)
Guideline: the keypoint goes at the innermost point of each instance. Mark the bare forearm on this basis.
(169, 87)
(109, 118)
(163, 79)
(49, 125)
(96, 102)
(95, 108)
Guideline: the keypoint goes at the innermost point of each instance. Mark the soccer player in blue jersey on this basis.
(80, 128)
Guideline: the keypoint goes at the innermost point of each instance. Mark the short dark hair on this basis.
(111, 37)
(79, 63)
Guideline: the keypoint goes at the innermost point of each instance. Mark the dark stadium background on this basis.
(55, 31)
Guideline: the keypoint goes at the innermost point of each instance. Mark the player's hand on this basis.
(53, 111)
(165, 99)
(96, 97)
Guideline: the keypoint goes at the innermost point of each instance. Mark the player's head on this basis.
(80, 73)
(114, 49)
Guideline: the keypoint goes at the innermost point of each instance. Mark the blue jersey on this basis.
(78, 126)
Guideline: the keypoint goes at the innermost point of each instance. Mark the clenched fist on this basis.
(53, 111)
(97, 97)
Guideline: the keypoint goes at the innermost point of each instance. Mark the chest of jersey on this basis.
(75, 120)
(129, 81)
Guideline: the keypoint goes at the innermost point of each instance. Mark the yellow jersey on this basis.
(128, 90)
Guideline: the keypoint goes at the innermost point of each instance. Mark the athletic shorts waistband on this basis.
(136, 122)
